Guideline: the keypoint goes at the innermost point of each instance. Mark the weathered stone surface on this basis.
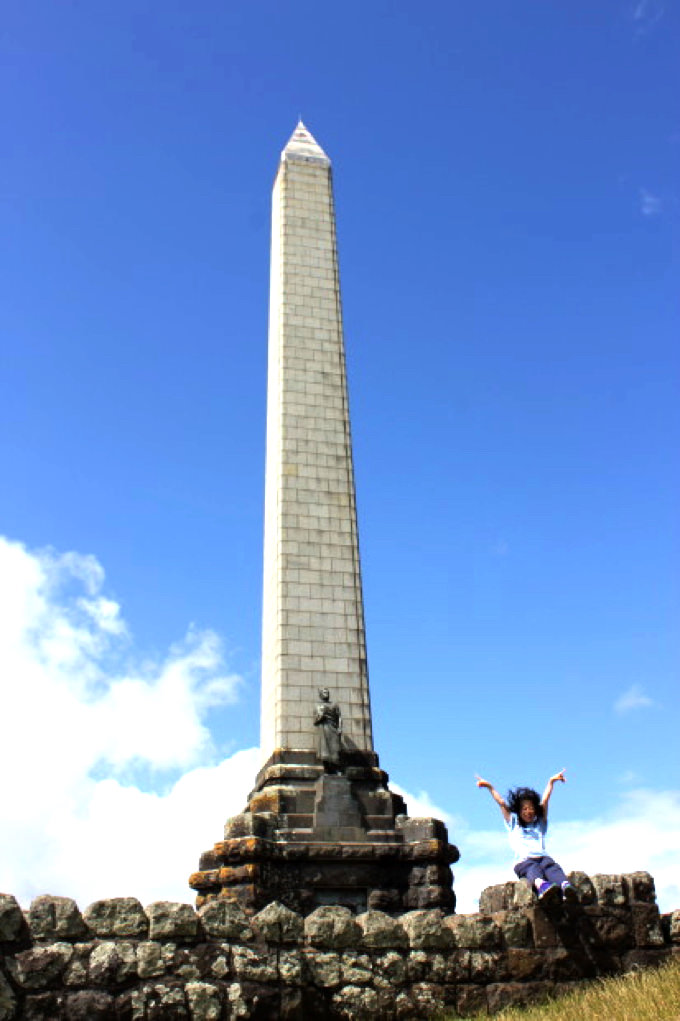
(117, 916)
(379, 930)
(323, 969)
(423, 1000)
(583, 886)
(458, 966)
(253, 965)
(474, 931)
(674, 926)
(523, 964)
(610, 890)
(164, 1003)
(205, 1003)
(112, 963)
(56, 918)
(426, 966)
(496, 898)
(641, 887)
(7, 1000)
(76, 974)
(41, 967)
(150, 963)
(488, 966)
(515, 994)
(357, 1003)
(355, 968)
(170, 920)
(277, 924)
(290, 967)
(12, 923)
(389, 969)
(42, 1007)
(223, 920)
(89, 1005)
(611, 926)
(514, 927)
(425, 930)
(470, 1000)
(647, 925)
(332, 927)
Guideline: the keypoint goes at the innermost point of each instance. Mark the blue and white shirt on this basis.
(527, 841)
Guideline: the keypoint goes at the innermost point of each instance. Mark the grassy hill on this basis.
(638, 996)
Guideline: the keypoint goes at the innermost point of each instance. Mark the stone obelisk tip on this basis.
(303, 145)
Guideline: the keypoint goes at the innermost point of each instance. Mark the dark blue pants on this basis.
(540, 868)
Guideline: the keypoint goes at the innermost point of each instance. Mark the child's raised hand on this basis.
(482, 783)
(559, 777)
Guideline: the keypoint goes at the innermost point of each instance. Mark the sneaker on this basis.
(569, 893)
(549, 893)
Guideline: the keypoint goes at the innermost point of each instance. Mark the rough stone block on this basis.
(647, 925)
(516, 994)
(12, 923)
(641, 887)
(223, 920)
(389, 969)
(8, 1000)
(611, 890)
(150, 962)
(117, 916)
(515, 928)
(112, 963)
(610, 927)
(90, 1005)
(379, 930)
(471, 1000)
(278, 924)
(291, 967)
(204, 1000)
(356, 1003)
(254, 966)
(323, 969)
(40, 967)
(583, 885)
(474, 931)
(172, 920)
(56, 918)
(425, 966)
(426, 931)
(488, 966)
(355, 968)
(332, 927)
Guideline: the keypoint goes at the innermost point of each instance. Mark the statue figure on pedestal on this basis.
(328, 719)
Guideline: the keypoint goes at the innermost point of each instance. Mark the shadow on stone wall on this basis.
(118, 961)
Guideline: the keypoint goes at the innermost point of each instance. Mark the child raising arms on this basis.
(526, 818)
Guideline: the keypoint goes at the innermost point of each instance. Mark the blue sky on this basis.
(507, 200)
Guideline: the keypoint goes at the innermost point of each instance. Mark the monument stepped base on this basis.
(309, 838)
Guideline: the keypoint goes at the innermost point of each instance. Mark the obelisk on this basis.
(321, 825)
(313, 617)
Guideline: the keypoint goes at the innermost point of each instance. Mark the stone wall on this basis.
(118, 961)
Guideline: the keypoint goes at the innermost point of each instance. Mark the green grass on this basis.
(652, 995)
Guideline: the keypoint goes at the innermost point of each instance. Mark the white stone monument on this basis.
(321, 825)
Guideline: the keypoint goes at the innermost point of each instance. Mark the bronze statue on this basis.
(329, 721)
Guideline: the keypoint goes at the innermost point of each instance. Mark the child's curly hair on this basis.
(517, 795)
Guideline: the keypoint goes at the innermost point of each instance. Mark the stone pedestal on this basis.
(308, 838)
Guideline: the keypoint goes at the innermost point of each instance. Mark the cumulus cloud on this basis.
(640, 832)
(633, 698)
(80, 715)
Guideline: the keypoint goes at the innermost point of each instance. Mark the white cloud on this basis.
(650, 205)
(633, 698)
(79, 716)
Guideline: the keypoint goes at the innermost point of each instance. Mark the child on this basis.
(527, 821)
